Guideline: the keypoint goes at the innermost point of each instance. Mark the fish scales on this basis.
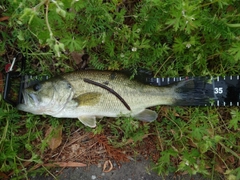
(89, 94)
(135, 93)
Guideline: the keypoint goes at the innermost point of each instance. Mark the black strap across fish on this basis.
(222, 91)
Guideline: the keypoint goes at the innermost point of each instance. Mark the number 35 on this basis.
(218, 90)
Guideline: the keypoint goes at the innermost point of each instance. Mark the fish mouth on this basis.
(29, 98)
(33, 98)
(24, 98)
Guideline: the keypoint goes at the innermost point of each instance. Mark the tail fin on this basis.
(193, 92)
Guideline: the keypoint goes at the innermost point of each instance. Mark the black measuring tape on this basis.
(222, 91)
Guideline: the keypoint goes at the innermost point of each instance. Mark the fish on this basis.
(91, 94)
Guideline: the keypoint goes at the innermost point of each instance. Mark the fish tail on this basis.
(192, 92)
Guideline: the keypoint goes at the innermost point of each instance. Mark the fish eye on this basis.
(37, 87)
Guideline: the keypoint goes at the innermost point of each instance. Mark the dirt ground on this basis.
(133, 170)
(101, 161)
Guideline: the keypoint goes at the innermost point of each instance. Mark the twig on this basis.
(181, 134)
(220, 159)
(62, 148)
(162, 65)
(40, 4)
(66, 143)
(49, 172)
(207, 4)
(159, 139)
(229, 150)
(80, 137)
(47, 22)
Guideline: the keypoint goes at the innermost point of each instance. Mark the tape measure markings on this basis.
(223, 90)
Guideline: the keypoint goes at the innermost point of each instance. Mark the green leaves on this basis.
(131, 130)
(191, 31)
(235, 121)
(195, 135)
(179, 46)
(184, 16)
(235, 51)
(61, 12)
(143, 44)
(164, 163)
(27, 16)
(73, 44)
(12, 144)
(198, 133)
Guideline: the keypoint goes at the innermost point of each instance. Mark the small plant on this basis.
(170, 38)
(16, 141)
(194, 138)
(127, 131)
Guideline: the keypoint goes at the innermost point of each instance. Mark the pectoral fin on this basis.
(146, 115)
(88, 99)
(89, 121)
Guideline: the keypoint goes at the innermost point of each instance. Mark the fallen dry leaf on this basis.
(55, 137)
(4, 18)
(107, 164)
(65, 164)
(77, 57)
(3, 176)
(219, 168)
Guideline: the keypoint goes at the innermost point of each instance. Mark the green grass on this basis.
(169, 38)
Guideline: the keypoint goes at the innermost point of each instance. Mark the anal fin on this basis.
(146, 115)
(89, 121)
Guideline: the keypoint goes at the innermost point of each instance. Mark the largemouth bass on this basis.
(89, 94)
